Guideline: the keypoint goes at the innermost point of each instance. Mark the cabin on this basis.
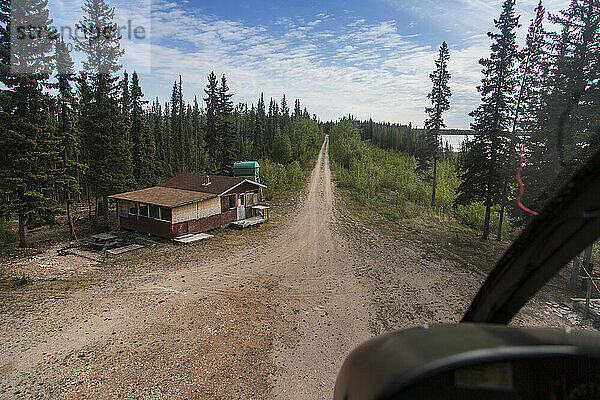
(188, 204)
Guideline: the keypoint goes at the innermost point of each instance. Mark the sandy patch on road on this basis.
(208, 347)
(54, 262)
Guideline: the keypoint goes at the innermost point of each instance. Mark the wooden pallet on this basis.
(247, 223)
(191, 238)
(125, 249)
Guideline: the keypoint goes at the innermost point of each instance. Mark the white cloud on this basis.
(356, 66)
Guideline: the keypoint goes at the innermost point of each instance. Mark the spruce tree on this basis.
(84, 101)
(297, 109)
(572, 103)
(525, 131)
(27, 138)
(102, 123)
(483, 168)
(182, 137)
(440, 103)
(66, 131)
(175, 125)
(227, 135)
(258, 140)
(125, 103)
(143, 153)
(4, 40)
(157, 125)
(212, 120)
(285, 110)
(170, 159)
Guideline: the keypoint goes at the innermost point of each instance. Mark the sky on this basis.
(371, 59)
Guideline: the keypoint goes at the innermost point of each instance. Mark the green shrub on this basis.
(471, 215)
(294, 174)
(8, 232)
(370, 172)
(281, 179)
(21, 280)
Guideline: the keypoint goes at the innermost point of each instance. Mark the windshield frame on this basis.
(566, 226)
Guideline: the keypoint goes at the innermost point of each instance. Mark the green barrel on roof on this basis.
(246, 168)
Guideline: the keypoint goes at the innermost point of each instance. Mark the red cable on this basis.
(521, 186)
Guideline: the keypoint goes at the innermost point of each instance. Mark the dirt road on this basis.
(267, 320)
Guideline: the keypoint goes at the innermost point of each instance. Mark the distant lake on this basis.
(455, 141)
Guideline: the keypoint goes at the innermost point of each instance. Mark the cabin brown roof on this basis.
(164, 196)
(218, 183)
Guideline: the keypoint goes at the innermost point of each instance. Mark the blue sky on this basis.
(367, 58)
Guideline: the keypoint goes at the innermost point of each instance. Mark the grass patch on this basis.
(440, 235)
(11, 282)
(22, 293)
(390, 194)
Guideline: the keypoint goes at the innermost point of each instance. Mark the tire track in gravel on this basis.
(317, 280)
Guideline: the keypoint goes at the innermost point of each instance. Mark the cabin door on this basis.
(241, 208)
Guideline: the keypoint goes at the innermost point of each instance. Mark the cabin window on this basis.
(123, 211)
(232, 201)
(242, 199)
(133, 208)
(165, 214)
(154, 212)
(144, 210)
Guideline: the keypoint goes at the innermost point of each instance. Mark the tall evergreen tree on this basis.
(66, 131)
(484, 173)
(440, 103)
(29, 146)
(297, 109)
(212, 119)
(532, 73)
(102, 123)
(226, 128)
(125, 103)
(285, 110)
(176, 118)
(157, 125)
(4, 40)
(143, 153)
(572, 104)
(170, 158)
(258, 141)
(182, 139)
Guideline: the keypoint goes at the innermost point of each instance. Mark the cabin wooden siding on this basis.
(205, 224)
(147, 225)
(192, 218)
(228, 216)
(196, 211)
